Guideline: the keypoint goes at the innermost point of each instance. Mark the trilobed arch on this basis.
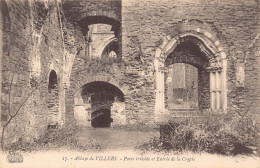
(216, 60)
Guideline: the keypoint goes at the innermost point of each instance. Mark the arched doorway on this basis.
(187, 86)
(99, 104)
(53, 100)
(198, 50)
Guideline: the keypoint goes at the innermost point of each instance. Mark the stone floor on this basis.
(116, 138)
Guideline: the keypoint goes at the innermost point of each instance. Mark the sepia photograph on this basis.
(130, 83)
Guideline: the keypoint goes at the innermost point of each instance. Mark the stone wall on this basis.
(77, 9)
(15, 70)
(32, 48)
(85, 69)
(231, 26)
(40, 36)
(101, 34)
(234, 24)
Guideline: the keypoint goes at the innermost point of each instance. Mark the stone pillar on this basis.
(161, 92)
(218, 93)
(118, 113)
(80, 114)
(157, 95)
(224, 85)
(159, 100)
(61, 115)
(88, 110)
(34, 60)
(87, 36)
(217, 90)
(212, 90)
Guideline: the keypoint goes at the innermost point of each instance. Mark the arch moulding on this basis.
(102, 78)
(109, 14)
(105, 44)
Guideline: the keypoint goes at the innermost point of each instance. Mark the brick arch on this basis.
(102, 78)
(110, 19)
(108, 14)
(212, 49)
(202, 36)
(200, 31)
(83, 108)
(194, 26)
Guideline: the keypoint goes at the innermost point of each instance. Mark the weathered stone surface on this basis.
(40, 36)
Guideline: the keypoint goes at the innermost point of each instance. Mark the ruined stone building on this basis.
(109, 63)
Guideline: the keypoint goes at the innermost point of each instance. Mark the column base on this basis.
(162, 117)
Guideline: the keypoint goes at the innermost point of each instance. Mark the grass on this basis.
(212, 135)
(56, 140)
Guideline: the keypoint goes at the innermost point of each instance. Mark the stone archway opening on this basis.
(208, 57)
(99, 105)
(97, 31)
(53, 100)
(186, 83)
(111, 49)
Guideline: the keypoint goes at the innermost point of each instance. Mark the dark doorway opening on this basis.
(53, 101)
(53, 83)
(100, 97)
(101, 118)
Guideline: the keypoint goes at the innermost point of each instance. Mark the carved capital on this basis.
(214, 69)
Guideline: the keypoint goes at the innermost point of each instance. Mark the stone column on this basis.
(212, 89)
(88, 111)
(161, 91)
(217, 84)
(224, 85)
(159, 100)
(62, 108)
(157, 95)
(88, 41)
(34, 60)
(79, 110)
(118, 113)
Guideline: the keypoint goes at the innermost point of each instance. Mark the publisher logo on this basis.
(14, 157)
